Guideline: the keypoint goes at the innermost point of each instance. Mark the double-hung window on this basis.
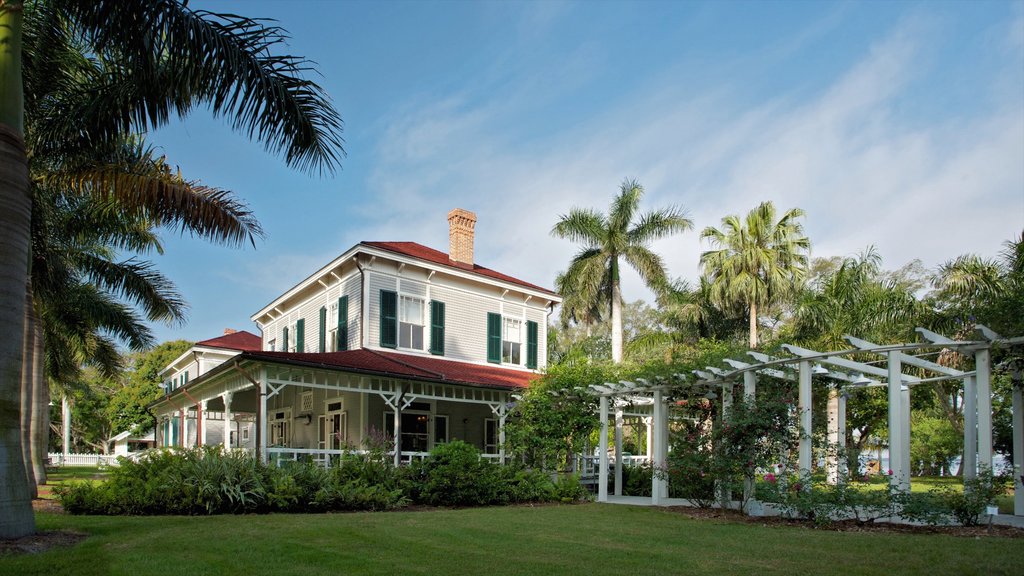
(410, 323)
(511, 341)
(332, 327)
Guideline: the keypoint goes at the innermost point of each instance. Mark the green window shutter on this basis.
(531, 344)
(494, 338)
(343, 323)
(185, 381)
(300, 335)
(388, 319)
(322, 343)
(437, 327)
(284, 339)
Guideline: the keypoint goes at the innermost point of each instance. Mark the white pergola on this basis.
(846, 375)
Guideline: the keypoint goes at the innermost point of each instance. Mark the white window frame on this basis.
(332, 327)
(434, 441)
(513, 344)
(271, 344)
(403, 321)
(293, 337)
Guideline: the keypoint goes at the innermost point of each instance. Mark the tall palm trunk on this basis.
(753, 325)
(40, 404)
(616, 315)
(26, 395)
(16, 518)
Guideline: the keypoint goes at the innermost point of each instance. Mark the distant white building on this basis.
(127, 443)
(389, 339)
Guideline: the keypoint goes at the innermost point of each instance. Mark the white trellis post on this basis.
(502, 416)
(602, 475)
(982, 369)
(659, 484)
(650, 439)
(970, 461)
(804, 408)
(65, 412)
(841, 434)
(900, 477)
(749, 396)
(618, 449)
(834, 448)
(1018, 450)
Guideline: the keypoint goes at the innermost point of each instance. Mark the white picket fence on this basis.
(58, 459)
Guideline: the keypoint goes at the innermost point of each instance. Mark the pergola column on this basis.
(749, 396)
(982, 368)
(227, 396)
(900, 477)
(659, 483)
(969, 464)
(804, 407)
(834, 447)
(648, 421)
(618, 450)
(202, 422)
(65, 412)
(1018, 450)
(183, 428)
(841, 435)
(602, 451)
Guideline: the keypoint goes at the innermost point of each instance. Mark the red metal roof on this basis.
(422, 252)
(240, 340)
(406, 365)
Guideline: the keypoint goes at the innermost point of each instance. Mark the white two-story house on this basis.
(391, 342)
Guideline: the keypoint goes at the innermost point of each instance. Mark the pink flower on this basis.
(890, 471)
(769, 478)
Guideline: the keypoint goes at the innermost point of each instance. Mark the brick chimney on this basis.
(460, 236)
(229, 331)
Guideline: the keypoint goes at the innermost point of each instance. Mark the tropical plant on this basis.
(148, 59)
(757, 261)
(593, 277)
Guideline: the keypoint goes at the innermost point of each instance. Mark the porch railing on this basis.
(324, 457)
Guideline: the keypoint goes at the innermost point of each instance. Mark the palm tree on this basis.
(757, 261)
(149, 58)
(593, 276)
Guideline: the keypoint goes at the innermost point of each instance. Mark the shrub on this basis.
(454, 475)
(569, 489)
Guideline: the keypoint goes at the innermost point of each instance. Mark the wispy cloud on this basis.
(846, 155)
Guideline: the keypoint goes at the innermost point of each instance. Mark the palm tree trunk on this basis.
(616, 319)
(753, 325)
(40, 404)
(25, 392)
(16, 517)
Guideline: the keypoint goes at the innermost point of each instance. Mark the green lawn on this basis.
(929, 483)
(585, 539)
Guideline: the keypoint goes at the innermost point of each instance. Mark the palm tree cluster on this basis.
(79, 82)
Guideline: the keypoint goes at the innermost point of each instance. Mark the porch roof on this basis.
(405, 366)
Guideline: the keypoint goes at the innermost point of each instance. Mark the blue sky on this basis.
(893, 124)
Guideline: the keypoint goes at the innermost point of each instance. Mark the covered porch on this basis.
(317, 407)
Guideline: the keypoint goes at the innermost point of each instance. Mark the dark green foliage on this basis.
(208, 481)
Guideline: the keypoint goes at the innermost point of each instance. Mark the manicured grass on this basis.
(585, 539)
(65, 473)
(929, 483)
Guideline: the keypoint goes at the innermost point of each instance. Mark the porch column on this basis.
(602, 473)
(618, 450)
(900, 477)
(834, 448)
(398, 426)
(1018, 450)
(183, 428)
(202, 422)
(804, 408)
(970, 462)
(227, 420)
(905, 432)
(502, 414)
(261, 419)
(724, 491)
(983, 370)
